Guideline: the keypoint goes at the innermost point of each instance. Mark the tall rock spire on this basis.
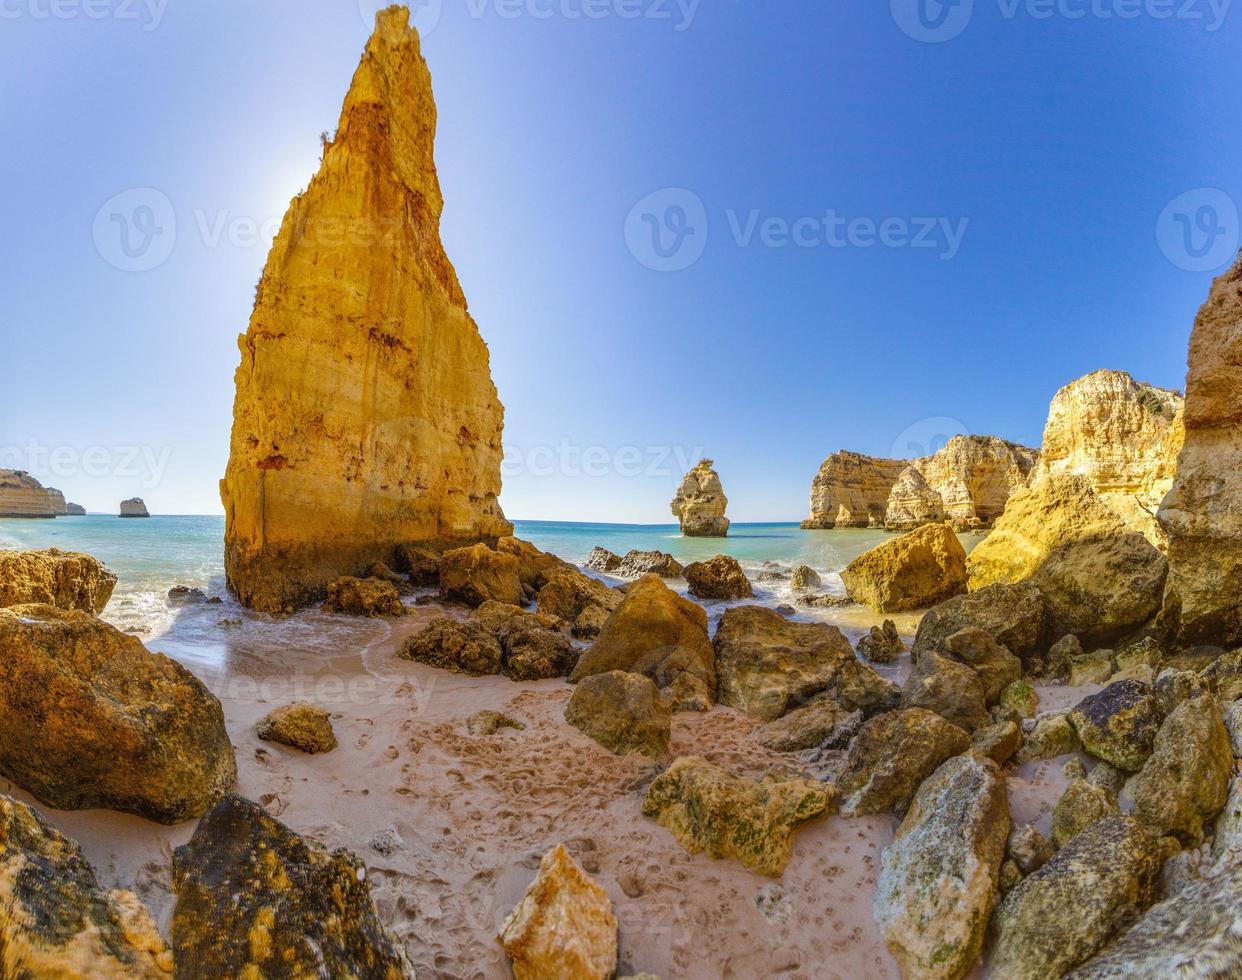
(365, 415)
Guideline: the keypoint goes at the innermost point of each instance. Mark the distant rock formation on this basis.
(966, 483)
(74, 510)
(21, 495)
(57, 500)
(1202, 513)
(1123, 436)
(365, 416)
(134, 507)
(700, 503)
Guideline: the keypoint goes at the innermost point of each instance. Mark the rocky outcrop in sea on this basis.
(365, 415)
(700, 503)
(21, 495)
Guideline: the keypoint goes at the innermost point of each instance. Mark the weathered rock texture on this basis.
(254, 899)
(90, 718)
(967, 483)
(134, 507)
(938, 877)
(65, 579)
(55, 919)
(1202, 514)
(914, 571)
(302, 726)
(21, 495)
(563, 926)
(622, 711)
(707, 809)
(700, 503)
(365, 414)
(1123, 436)
(1100, 578)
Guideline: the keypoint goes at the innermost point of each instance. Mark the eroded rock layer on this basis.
(21, 495)
(1202, 513)
(967, 483)
(1123, 436)
(365, 415)
(700, 503)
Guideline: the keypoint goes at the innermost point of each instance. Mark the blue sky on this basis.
(865, 240)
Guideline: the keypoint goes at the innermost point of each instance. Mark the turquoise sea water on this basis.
(152, 555)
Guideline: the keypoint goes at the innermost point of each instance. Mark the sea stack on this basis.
(1202, 514)
(365, 415)
(700, 503)
(134, 507)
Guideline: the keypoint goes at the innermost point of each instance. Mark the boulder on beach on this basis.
(950, 689)
(1067, 911)
(623, 712)
(891, 756)
(58, 921)
(1119, 724)
(372, 597)
(563, 926)
(1100, 578)
(1185, 782)
(256, 899)
(602, 560)
(882, 644)
(134, 507)
(1051, 736)
(712, 811)
(1083, 803)
(1013, 615)
(720, 578)
(301, 725)
(470, 576)
(805, 578)
(699, 504)
(464, 648)
(583, 602)
(656, 632)
(821, 722)
(65, 579)
(938, 877)
(490, 722)
(914, 571)
(768, 666)
(90, 718)
(532, 647)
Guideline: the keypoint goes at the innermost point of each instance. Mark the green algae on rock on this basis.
(256, 899)
(709, 810)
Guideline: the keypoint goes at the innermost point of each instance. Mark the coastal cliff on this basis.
(967, 483)
(21, 495)
(365, 415)
(1123, 436)
(1202, 513)
(700, 503)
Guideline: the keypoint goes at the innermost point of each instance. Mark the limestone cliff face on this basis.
(365, 415)
(1123, 436)
(967, 483)
(1202, 513)
(700, 503)
(21, 495)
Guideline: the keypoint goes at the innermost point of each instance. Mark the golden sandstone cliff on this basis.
(1202, 514)
(700, 502)
(365, 415)
(967, 483)
(1123, 436)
